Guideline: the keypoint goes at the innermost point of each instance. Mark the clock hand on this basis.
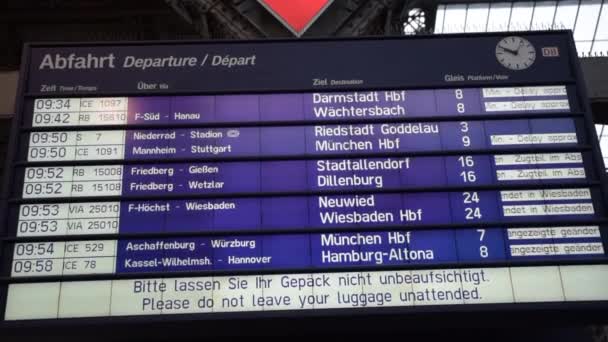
(513, 52)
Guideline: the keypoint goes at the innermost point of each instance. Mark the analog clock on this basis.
(515, 53)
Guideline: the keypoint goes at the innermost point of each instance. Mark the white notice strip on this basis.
(538, 159)
(545, 195)
(548, 209)
(309, 291)
(584, 248)
(539, 233)
(548, 173)
(526, 139)
(524, 91)
(539, 105)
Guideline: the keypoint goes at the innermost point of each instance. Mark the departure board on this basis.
(271, 178)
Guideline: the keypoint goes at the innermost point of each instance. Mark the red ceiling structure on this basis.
(296, 15)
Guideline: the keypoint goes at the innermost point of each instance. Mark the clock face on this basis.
(515, 53)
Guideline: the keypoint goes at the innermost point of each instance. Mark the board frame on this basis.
(490, 313)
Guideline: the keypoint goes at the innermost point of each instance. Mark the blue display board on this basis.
(287, 177)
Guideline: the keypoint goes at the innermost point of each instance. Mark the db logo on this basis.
(550, 51)
(233, 133)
